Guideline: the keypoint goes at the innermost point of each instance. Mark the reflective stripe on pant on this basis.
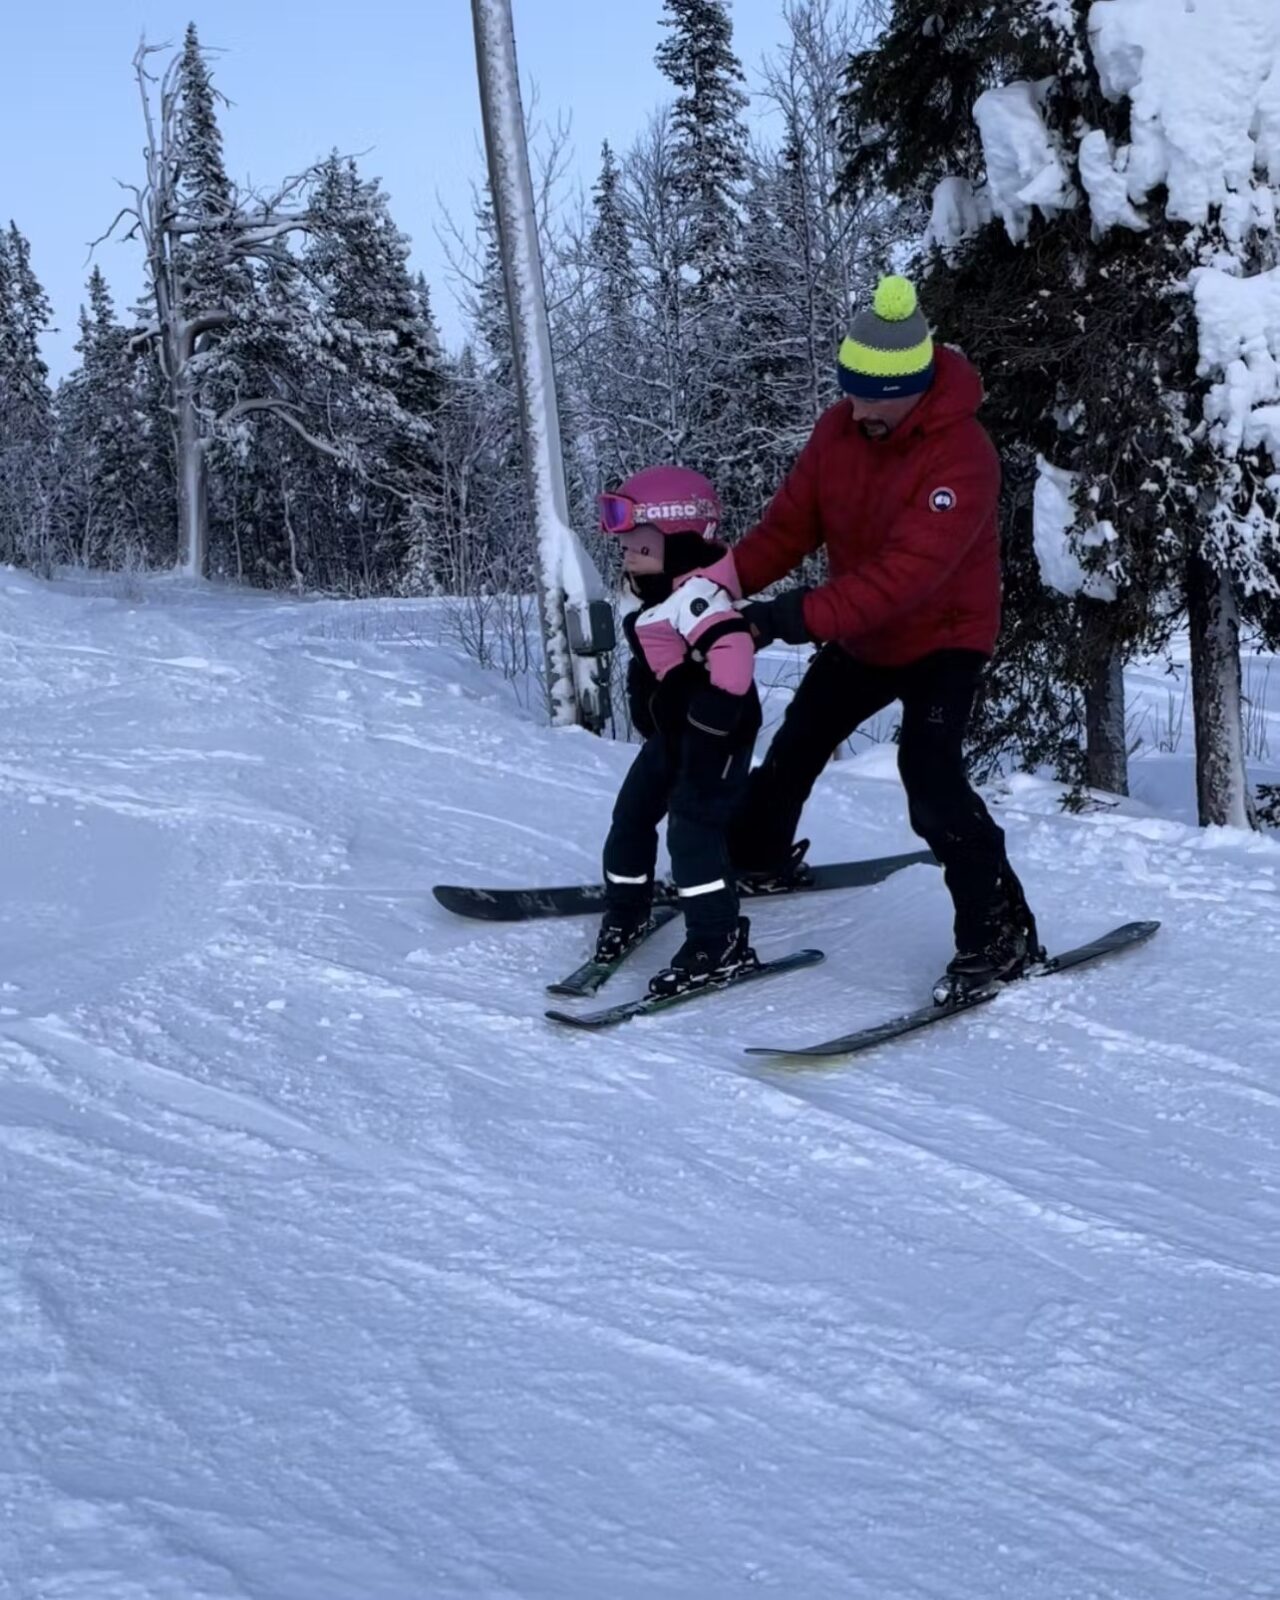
(702, 783)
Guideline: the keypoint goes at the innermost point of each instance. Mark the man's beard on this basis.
(874, 428)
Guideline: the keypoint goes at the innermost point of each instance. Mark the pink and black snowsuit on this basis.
(692, 693)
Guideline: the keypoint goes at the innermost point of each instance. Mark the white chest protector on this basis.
(689, 607)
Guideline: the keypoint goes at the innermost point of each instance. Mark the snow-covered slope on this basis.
(330, 1272)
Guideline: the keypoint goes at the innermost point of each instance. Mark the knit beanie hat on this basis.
(888, 354)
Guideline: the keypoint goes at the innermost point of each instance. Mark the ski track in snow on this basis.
(331, 1269)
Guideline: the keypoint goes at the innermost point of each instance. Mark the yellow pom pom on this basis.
(895, 299)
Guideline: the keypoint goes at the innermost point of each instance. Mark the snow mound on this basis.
(1239, 324)
(1026, 168)
(1107, 186)
(1203, 81)
(1053, 523)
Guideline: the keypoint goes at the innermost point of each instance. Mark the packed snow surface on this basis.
(331, 1270)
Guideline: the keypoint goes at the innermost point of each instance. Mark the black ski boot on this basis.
(996, 946)
(792, 872)
(621, 929)
(706, 959)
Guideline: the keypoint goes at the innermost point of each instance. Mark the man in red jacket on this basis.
(900, 482)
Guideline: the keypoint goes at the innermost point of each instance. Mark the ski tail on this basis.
(584, 899)
(593, 975)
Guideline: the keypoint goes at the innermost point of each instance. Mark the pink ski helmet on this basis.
(671, 499)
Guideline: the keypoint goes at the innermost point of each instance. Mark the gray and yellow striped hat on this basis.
(889, 352)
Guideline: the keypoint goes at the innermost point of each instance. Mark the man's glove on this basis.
(782, 618)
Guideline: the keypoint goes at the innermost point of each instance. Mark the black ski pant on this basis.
(702, 781)
(835, 696)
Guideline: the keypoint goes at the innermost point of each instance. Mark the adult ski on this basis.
(593, 975)
(1121, 938)
(520, 905)
(610, 1016)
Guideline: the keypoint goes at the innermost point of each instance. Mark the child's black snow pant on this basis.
(700, 778)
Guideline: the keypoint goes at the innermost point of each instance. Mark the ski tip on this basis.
(1131, 933)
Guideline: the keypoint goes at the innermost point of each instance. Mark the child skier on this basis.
(692, 694)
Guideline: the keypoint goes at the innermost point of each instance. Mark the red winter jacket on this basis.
(909, 523)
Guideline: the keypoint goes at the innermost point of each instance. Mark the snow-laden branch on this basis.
(289, 414)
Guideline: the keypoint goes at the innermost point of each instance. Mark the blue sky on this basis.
(393, 78)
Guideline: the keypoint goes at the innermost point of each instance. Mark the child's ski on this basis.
(592, 975)
(650, 1003)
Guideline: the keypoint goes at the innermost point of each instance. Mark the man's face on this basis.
(878, 418)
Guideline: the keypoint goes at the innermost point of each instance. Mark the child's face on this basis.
(642, 551)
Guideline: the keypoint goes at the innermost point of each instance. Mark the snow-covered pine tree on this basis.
(458, 551)
(802, 251)
(1215, 170)
(372, 383)
(1077, 339)
(709, 140)
(205, 252)
(115, 485)
(768, 403)
(605, 363)
(495, 495)
(423, 515)
(212, 286)
(1139, 262)
(26, 409)
(704, 170)
(1195, 167)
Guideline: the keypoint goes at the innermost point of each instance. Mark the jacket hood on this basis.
(956, 394)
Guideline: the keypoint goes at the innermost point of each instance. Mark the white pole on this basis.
(567, 578)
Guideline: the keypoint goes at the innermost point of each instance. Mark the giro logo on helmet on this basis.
(674, 510)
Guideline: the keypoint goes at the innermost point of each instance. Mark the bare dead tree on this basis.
(255, 229)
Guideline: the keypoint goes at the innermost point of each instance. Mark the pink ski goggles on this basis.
(619, 513)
